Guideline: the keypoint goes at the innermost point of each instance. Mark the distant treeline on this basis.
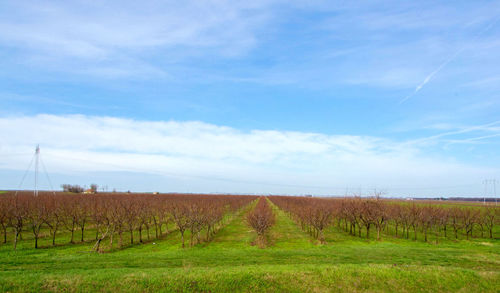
(75, 188)
(475, 199)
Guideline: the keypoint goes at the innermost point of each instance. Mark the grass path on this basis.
(285, 233)
(236, 234)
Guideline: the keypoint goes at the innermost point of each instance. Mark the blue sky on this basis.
(322, 97)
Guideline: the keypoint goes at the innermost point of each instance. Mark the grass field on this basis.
(292, 262)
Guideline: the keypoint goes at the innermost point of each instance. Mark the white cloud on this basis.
(302, 162)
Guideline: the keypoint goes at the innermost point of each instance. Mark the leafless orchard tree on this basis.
(261, 219)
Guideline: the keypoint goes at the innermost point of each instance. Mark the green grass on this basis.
(292, 262)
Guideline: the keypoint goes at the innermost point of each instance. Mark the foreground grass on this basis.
(260, 278)
(292, 262)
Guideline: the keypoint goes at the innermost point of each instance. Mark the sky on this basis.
(268, 97)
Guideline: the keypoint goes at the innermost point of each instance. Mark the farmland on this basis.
(132, 242)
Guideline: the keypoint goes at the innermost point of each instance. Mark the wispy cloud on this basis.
(6, 96)
(472, 139)
(102, 38)
(171, 41)
(486, 82)
(447, 61)
(489, 127)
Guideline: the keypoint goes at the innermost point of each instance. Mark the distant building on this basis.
(89, 191)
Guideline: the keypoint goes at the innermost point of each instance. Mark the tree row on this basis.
(113, 215)
(261, 218)
(359, 216)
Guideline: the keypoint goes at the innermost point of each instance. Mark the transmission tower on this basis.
(38, 161)
(495, 190)
(487, 183)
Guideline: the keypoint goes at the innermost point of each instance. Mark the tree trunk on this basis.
(54, 238)
(97, 245)
(321, 236)
(15, 238)
(111, 240)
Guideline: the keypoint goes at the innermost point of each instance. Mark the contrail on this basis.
(431, 75)
(474, 138)
(464, 130)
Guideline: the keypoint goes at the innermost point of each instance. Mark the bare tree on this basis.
(491, 215)
(36, 216)
(180, 216)
(261, 219)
